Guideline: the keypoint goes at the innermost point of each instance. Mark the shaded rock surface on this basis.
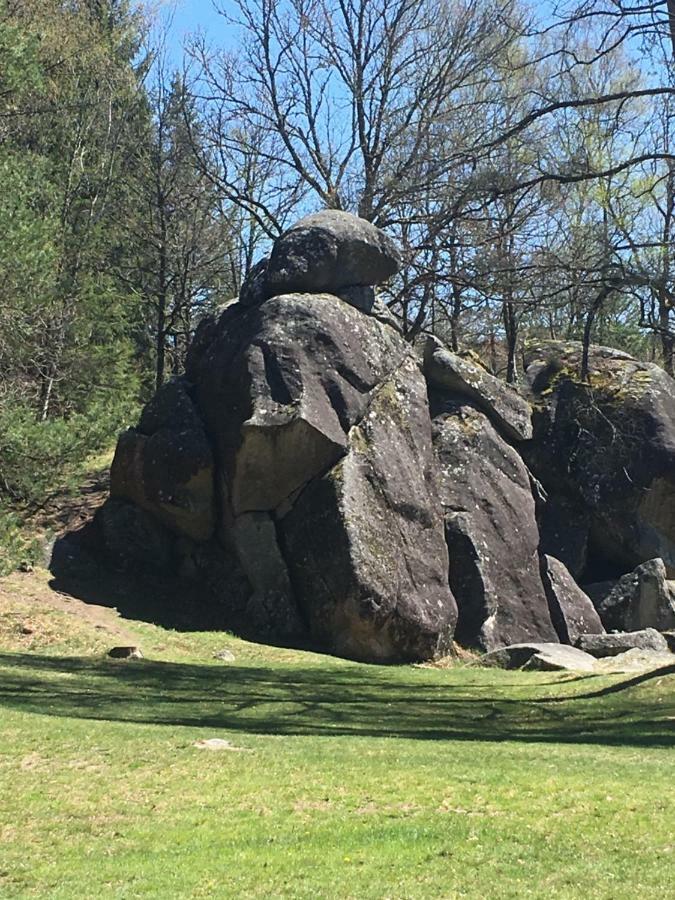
(572, 611)
(600, 645)
(491, 530)
(540, 657)
(607, 450)
(166, 467)
(643, 598)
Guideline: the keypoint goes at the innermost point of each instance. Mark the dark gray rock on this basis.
(328, 251)
(540, 657)
(564, 531)
(361, 296)
(448, 373)
(171, 408)
(491, 531)
(669, 637)
(572, 611)
(364, 542)
(600, 645)
(125, 653)
(132, 538)
(643, 598)
(271, 609)
(166, 466)
(608, 447)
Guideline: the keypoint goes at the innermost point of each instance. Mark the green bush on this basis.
(16, 547)
(37, 458)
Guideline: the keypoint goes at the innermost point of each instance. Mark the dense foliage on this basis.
(105, 222)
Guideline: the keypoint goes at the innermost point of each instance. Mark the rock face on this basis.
(318, 479)
(165, 465)
(572, 611)
(366, 542)
(279, 387)
(502, 404)
(605, 452)
(600, 645)
(644, 598)
(318, 454)
(491, 530)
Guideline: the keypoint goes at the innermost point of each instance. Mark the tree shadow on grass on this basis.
(359, 701)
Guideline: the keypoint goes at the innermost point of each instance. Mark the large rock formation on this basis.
(365, 541)
(318, 457)
(316, 477)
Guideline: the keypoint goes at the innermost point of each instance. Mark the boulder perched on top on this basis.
(643, 598)
(328, 251)
(490, 525)
(605, 452)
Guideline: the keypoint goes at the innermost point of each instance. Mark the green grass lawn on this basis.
(348, 780)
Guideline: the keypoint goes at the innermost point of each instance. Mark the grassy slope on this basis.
(350, 780)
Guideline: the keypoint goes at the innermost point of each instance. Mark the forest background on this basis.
(523, 157)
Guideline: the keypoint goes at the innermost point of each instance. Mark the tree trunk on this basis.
(511, 329)
(591, 315)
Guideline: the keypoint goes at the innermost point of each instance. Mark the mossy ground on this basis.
(347, 780)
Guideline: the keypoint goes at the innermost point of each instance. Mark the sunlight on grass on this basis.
(357, 781)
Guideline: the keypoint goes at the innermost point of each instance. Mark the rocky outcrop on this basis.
(318, 479)
(643, 598)
(572, 611)
(312, 413)
(491, 530)
(605, 452)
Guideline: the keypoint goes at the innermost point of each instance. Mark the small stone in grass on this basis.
(27, 629)
(125, 653)
(215, 744)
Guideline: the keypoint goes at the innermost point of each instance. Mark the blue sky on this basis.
(196, 15)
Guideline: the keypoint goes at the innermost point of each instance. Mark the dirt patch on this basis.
(34, 615)
(70, 510)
